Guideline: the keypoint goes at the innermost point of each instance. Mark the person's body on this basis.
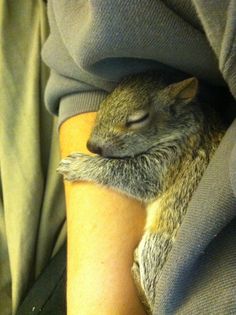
(105, 229)
(92, 44)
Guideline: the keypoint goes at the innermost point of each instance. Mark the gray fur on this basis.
(158, 161)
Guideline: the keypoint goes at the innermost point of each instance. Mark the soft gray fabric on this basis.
(191, 279)
(219, 21)
(93, 44)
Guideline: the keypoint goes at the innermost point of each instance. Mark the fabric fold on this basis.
(212, 207)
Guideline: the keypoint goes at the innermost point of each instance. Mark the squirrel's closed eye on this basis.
(138, 120)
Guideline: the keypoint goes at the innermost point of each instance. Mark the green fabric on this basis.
(32, 208)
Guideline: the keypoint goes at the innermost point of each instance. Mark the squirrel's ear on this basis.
(185, 90)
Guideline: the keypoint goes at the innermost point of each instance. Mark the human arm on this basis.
(104, 228)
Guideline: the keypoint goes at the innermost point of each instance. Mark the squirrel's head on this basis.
(140, 114)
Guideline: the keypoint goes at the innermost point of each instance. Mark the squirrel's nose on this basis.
(94, 148)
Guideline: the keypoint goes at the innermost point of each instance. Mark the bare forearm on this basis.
(104, 227)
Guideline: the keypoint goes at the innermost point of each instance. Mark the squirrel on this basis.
(153, 139)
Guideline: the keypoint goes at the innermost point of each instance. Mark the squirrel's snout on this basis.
(106, 150)
(94, 148)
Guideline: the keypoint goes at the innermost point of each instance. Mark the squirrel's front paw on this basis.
(70, 166)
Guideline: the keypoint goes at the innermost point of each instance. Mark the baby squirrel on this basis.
(154, 140)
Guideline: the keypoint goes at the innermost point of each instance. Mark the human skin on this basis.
(104, 227)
